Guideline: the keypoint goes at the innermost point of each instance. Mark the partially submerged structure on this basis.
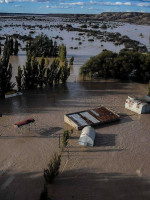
(24, 122)
(138, 105)
(12, 94)
(93, 117)
(87, 136)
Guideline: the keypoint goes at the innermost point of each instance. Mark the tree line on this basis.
(39, 73)
(13, 46)
(5, 72)
(36, 72)
(122, 65)
(42, 45)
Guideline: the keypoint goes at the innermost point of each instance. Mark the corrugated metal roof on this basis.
(92, 117)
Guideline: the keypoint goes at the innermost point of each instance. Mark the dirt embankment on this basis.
(129, 17)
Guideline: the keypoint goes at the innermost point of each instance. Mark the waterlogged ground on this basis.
(117, 167)
(51, 26)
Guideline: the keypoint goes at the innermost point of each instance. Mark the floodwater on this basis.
(117, 167)
(70, 38)
(121, 150)
(74, 71)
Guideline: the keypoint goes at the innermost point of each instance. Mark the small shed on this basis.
(87, 136)
(138, 105)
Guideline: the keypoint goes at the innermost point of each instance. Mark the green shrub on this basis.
(65, 138)
(53, 168)
(123, 65)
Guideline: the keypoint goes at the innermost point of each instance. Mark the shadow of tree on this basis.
(23, 186)
(81, 185)
(75, 184)
(49, 131)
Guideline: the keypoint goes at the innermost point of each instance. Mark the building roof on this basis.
(143, 100)
(92, 117)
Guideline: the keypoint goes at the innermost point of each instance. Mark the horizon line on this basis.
(11, 13)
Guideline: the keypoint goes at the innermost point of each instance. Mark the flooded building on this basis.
(92, 117)
(138, 105)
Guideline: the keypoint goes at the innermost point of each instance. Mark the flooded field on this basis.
(117, 167)
(80, 42)
(121, 150)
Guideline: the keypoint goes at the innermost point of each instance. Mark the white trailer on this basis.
(138, 105)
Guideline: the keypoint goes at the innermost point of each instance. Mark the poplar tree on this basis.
(42, 70)
(52, 72)
(16, 49)
(19, 79)
(11, 46)
(28, 75)
(57, 76)
(5, 71)
(65, 72)
(35, 71)
(55, 49)
(62, 52)
(50, 49)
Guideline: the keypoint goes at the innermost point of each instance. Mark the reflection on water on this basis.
(69, 95)
(16, 61)
(74, 73)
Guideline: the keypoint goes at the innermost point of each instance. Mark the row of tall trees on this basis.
(124, 66)
(39, 73)
(12, 46)
(42, 45)
(5, 72)
(35, 73)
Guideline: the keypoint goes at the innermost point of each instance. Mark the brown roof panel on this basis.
(92, 117)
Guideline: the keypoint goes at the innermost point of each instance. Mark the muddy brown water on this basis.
(117, 167)
(119, 162)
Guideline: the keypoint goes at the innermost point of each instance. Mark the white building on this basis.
(138, 105)
(87, 136)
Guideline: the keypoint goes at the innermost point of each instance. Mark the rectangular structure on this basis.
(138, 105)
(24, 122)
(93, 117)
